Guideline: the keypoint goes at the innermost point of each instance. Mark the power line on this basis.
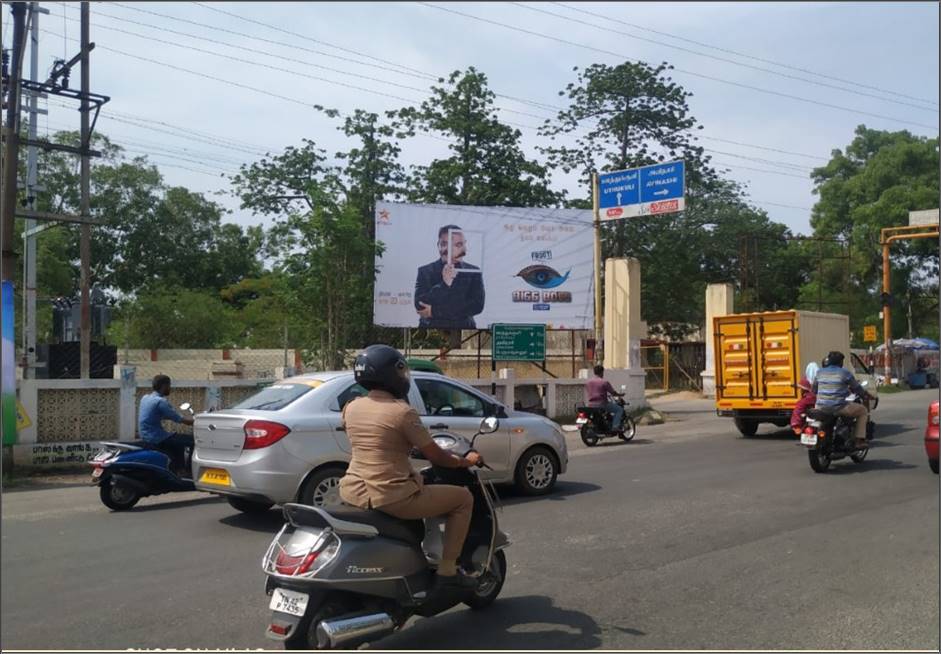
(723, 59)
(741, 54)
(677, 70)
(275, 56)
(761, 170)
(420, 74)
(761, 147)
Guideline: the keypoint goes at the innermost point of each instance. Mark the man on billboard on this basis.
(448, 291)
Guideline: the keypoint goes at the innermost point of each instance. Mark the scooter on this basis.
(829, 437)
(595, 423)
(126, 472)
(340, 577)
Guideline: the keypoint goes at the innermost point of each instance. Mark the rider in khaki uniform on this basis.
(382, 427)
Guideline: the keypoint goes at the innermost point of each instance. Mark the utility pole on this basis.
(11, 136)
(85, 183)
(32, 188)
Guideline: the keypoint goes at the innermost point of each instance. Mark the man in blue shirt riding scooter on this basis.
(154, 409)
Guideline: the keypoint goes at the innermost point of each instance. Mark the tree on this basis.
(318, 244)
(170, 317)
(488, 166)
(879, 178)
(146, 232)
(632, 115)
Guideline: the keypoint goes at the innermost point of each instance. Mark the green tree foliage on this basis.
(633, 115)
(487, 165)
(873, 184)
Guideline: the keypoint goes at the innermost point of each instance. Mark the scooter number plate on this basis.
(288, 601)
(581, 421)
(808, 439)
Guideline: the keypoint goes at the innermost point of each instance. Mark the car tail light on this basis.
(262, 433)
(294, 565)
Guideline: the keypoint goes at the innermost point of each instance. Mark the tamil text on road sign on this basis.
(869, 333)
(643, 191)
(519, 342)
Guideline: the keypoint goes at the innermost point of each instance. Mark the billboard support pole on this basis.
(597, 266)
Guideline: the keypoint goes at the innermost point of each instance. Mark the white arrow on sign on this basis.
(619, 198)
(663, 192)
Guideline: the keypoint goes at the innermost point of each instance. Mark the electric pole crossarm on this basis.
(63, 217)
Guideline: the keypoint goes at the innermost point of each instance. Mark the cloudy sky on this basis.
(776, 85)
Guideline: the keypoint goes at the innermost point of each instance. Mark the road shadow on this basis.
(529, 622)
(509, 496)
(617, 442)
(165, 506)
(268, 522)
(847, 467)
(885, 430)
(778, 434)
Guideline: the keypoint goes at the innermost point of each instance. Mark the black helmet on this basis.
(834, 359)
(380, 367)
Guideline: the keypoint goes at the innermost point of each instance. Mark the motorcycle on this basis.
(595, 423)
(829, 437)
(340, 577)
(126, 472)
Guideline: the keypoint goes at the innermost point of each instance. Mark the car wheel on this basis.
(537, 471)
(323, 487)
(747, 428)
(248, 506)
(933, 464)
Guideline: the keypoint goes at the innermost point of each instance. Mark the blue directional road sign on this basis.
(650, 190)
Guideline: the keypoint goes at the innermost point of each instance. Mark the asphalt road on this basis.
(689, 537)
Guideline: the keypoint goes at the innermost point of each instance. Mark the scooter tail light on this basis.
(286, 564)
(582, 415)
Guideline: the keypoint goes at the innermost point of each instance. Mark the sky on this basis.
(858, 63)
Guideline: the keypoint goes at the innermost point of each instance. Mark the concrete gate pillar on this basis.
(622, 328)
(719, 302)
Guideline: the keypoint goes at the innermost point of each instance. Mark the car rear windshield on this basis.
(276, 396)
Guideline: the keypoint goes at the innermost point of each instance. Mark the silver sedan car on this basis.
(286, 443)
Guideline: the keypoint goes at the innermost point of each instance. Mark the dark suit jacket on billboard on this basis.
(452, 307)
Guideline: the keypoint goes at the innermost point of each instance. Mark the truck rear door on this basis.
(775, 343)
(734, 376)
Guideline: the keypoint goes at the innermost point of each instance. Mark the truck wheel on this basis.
(748, 428)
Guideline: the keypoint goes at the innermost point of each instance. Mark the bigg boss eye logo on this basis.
(542, 276)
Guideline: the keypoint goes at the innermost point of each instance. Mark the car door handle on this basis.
(440, 425)
(340, 429)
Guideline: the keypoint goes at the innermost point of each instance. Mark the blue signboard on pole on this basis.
(651, 190)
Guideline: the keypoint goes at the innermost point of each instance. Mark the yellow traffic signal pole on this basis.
(888, 236)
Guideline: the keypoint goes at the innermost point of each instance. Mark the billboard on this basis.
(464, 267)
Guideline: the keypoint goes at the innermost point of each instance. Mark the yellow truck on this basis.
(760, 357)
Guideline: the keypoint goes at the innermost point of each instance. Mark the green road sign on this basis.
(519, 342)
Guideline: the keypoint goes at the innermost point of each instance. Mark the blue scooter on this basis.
(126, 472)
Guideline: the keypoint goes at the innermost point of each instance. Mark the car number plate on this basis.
(216, 476)
(288, 601)
(581, 421)
(808, 439)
